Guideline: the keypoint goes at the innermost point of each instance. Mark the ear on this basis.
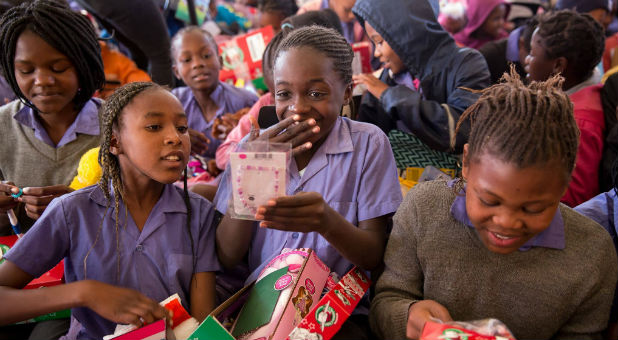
(175, 69)
(220, 62)
(465, 162)
(560, 65)
(347, 95)
(114, 145)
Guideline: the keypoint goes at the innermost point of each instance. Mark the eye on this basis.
(59, 69)
(282, 95)
(182, 129)
(207, 56)
(316, 95)
(488, 203)
(533, 210)
(153, 127)
(25, 71)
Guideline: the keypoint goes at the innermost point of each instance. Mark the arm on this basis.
(202, 295)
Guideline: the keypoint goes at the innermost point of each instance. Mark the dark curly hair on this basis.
(577, 37)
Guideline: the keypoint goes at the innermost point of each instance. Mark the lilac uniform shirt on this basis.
(552, 237)
(512, 45)
(228, 98)
(354, 170)
(348, 27)
(86, 122)
(156, 262)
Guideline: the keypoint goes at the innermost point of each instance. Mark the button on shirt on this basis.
(552, 237)
(156, 261)
(355, 172)
(228, 98)
(86, 122)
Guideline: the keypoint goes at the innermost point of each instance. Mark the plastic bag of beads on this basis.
(486, 329)
(258, 173)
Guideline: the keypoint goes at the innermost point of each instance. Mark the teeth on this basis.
(502, 237)
(172, 158)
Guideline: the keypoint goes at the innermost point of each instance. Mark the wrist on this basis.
(81, 289)
(328, 219)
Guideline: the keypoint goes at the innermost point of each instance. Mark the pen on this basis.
(14, 222)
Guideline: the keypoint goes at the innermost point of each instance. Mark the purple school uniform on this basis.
(86, 122)
(156, 262)
(228, 98)
(552, 237)
(354, 170)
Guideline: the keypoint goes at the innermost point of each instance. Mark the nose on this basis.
(197, 62)
(506, 220)
(299, 106)
(172, 136)
(377, 51)
(43, 78)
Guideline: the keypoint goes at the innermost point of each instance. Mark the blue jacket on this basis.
(445, 72)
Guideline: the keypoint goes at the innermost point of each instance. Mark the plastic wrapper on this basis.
(258, 173)
(486, 329)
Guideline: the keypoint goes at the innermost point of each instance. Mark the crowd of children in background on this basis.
(522, 94)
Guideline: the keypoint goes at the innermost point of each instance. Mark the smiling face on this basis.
(509, 205)
(152, 141)
(307, 84)
(538, 66)
(384, 52)
(46, 77)
(494, 24)
(196, 61)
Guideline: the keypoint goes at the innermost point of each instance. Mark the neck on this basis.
(140, 194)
(57, 123)
(302, 159)
(207, 105)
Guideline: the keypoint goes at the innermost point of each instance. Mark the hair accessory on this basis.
(288, 25)
(18, 195)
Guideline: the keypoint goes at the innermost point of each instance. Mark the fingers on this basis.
(439, 312)
(276, 129)
(6, 203)
(8, 188)
(297, 133)
(254, 133)
(55, 190)
(298, 200)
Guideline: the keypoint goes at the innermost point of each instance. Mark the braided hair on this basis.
(190, 29)
(66, 31)
(326, 41)
(577, 37)
(523, 125)
(111, 119)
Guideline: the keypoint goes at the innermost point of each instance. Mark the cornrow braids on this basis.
(577, 37)
(111, 120)
(190, 29)
(523, 125)
(68, 32)
(326, 41)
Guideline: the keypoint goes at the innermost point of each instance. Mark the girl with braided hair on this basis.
(128, 242)
(498, 243)
(571, 44)
(51, 60)
(342, 180)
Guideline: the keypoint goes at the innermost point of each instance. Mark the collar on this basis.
(171, 200)
(552, 237)
(512, 45)
(593, 80)
(339, 139)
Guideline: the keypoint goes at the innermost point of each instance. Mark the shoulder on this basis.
(586, 237)
(238, 93)
(182, 93)
(9, 109)
(429, 198)
(364, 130)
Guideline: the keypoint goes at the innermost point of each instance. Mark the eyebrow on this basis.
(315, 80)
(51, 61)
(161, 114)
(482, 190)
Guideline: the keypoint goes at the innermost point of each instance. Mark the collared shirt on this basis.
(354, 170)
(86, 122)
(229, 99)
(602, 209)
(348, 27)
(512, 45)
(552, 237)
(156, 261)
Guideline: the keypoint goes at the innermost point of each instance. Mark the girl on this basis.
(342, 180)
(127, 249)
(571, 44)
(197, 63)
(352, 30)
(485, 23)
(497, 243)
(273, 12)
(52, 61)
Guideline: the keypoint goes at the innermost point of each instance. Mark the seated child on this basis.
(130, 241)
(196, 62)
(342, 177)
(498, 243)
(571, 44)
(421, 89)
(273, 12)
(485, 23)
(352, 30)
(55, 121)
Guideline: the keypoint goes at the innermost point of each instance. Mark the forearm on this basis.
(28, 303)
(202, 295)
(233, 240)
(362, 247)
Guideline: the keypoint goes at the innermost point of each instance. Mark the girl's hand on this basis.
(224, 125)
(199, 142)
(289, 130)
(121, 305)
(374, 85)
(212, 168)
(36, 199)
(304, 212)
(421, 312)
(6, 201)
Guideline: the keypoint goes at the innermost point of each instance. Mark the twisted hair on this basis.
(523, 125)
(66, 31)
(190, 29)
(286, 7)
(577, 37)
(111, 173)
(326, 41)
